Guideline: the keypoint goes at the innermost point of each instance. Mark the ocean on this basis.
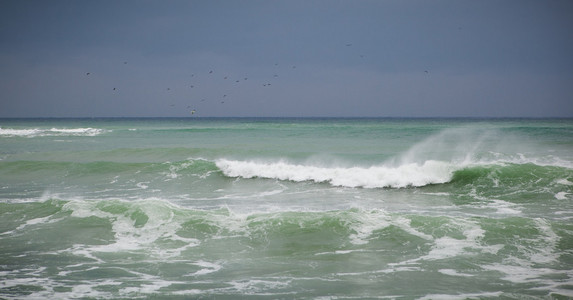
(286, 208)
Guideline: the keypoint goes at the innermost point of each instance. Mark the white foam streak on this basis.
(207, 268)
(452, 272)
(129, 236)
(365, 223)
(522, 273)
(413, 174)
(447, 247)
(34, 132)
(461, 296)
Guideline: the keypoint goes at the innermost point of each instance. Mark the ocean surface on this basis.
(201, 208)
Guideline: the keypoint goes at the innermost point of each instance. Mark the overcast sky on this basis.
(353, 58)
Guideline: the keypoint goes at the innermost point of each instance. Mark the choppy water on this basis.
(286, 208)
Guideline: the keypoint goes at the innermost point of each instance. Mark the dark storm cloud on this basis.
(286, 58)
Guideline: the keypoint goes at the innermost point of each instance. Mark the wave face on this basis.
(409, 175)
(434, 160)
(286, 208)
(126, 249)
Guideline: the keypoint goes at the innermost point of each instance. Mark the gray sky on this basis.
(298, 58)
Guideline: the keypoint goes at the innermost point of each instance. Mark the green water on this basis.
(286, 208)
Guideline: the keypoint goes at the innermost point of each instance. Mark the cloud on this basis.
(366, 58)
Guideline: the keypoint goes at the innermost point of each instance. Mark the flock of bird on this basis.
(265, 82)
(211, 74)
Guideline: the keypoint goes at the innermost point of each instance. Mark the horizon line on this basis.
(299, 117)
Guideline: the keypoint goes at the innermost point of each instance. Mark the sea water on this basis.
(202, 208)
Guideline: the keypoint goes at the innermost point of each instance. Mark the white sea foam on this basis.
(524, 268)
(431, 161)
(32, 222)
(146, 289)
(255, 286)
(452, 272)
(36, 221)
(206, 268)
(160, 224)
(522, 273)
(564, 181)
(365, 223)
(412, 174)
(174, 169)
(34, 132)
(18, 132)
(503, 207)
(447, 247)
(548, 240)
(461, 296)
(142, 185)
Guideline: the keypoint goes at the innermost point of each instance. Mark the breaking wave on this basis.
(408, 175)
(435, 160)
(35, 132)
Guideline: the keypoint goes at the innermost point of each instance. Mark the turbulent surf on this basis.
(286, 208)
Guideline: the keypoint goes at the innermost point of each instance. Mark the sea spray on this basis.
(430, 161)
(458, 146)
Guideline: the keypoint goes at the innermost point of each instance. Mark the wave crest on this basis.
(406, 175)
(34, 132)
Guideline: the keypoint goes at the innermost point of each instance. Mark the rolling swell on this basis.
(406, 175)
(511, 176)
(381, 176)
(510, 173)
(104, 179)
(151, 244)
(117, 225)
(405, 209)
(197, 167)
(492, 178)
